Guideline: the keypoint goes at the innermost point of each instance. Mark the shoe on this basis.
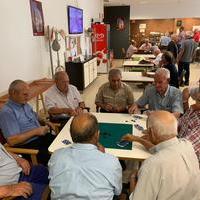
(181, 84)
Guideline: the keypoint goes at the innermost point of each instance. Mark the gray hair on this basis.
(163, 71)
(114, 72)
(163, 129)
(14, 86)
(58, 74)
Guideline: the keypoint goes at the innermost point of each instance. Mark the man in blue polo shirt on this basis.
(20, 125)
(160, 96)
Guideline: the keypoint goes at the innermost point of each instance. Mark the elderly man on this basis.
(114, 96)
(189, 125)
(146, 46)
(172, 46)
(160, 96)
(131, 49)
(172, 172)
(186, 53)
(20, 125)
(18, 179)
(157, 53)
(82, 171)
(63, 99)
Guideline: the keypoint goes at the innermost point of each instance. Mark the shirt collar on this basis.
(83, 146)
(59, 91)
(165, 92)
(15, 104)
(164, 145)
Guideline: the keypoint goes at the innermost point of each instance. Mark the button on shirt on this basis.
(9, 169)
(172, 173)
(55, 98)
(17, 118)
(171, 101)
(83, 172)
(121, 97)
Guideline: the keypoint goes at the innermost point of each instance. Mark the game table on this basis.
(112, 127)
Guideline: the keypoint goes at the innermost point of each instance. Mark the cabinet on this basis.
(81, 74)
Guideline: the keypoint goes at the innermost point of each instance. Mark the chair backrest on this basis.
(123, 52)
(2, 139)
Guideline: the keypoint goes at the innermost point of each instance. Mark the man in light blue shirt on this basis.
(160, 96)
(83, 171)
(19, 123)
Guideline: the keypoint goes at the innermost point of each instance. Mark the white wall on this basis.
(162, 9)
(24, 56)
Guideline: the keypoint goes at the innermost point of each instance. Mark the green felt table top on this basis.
(111, 133)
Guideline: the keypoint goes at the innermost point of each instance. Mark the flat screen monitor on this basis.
(75, 20)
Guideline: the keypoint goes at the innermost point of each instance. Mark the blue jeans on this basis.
(184, 66)
(38, 178)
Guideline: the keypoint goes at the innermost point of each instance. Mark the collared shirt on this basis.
(121, 97)
(189, 128)
(83, 172)
(157, 60)
(130, 51)
(17, 118)
(171, 173)
(171, 101)
(55, 98)
(9, 169)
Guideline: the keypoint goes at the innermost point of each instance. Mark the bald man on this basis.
(63, 99)
(20, 125)
(160, 96)
(81, 171)
(172, 172)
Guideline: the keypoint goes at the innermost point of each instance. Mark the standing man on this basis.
(185, 56)
(114, 96)
(160, 96)
(82, 171)
(172, 46)
(172, 172)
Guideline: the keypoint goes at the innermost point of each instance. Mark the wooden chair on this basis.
(32, 152)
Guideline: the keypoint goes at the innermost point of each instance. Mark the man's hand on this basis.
(79, 110)
(20, 189)
(70, 111)
(43, 130)
(133, 109)
(108, 107)
(130, 137)
(24, 164)
(100, 147)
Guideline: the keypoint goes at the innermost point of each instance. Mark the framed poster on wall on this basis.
(37, 18)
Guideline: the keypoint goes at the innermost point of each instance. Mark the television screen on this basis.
(75, 20)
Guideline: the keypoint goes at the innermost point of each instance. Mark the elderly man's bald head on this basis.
(83, 128)
(163, 123)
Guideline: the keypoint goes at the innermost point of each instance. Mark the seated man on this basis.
(114, 96)
(20, 125)
(189, 125)
(18, 179)
(172, 172)
(82, 171)
(157, 53)
(160, 96)
(192, 92)
(131, 49)
(146, 46)
(62, 99)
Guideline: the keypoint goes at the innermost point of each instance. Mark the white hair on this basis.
(162, 128)
(163, 71)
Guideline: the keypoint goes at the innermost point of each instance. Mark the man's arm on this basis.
(57, 111)
(23, 137)
(177, 104)
(20, 189)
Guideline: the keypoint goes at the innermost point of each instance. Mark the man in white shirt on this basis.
(63, 99)
(173, 170)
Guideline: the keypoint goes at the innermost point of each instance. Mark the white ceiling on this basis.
(132, 2)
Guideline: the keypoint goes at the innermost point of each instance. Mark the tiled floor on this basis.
(90, 92)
